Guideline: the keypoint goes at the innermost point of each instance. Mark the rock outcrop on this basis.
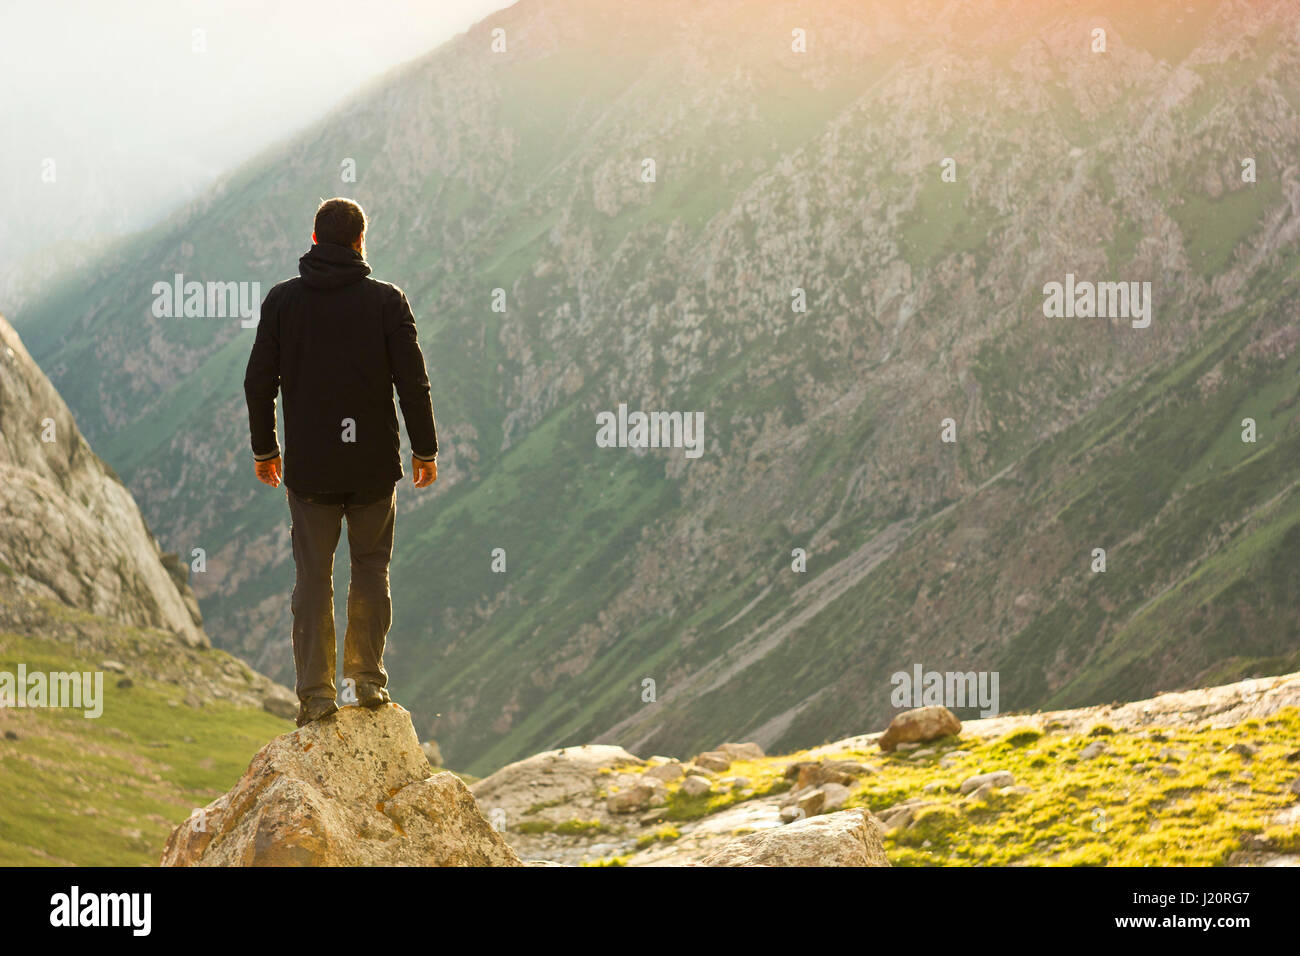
(846, 838)
(354, 789)
(69, 529)
(572, 778)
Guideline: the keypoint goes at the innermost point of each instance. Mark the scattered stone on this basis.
(953, 757)
(750, 751)
(907, 747)
(851, 767)
(812, 802)
(637, 797)
(714, 760)
(836, 796)
(998, 778)
(901, 814)
(739, 783)
(281, 702)
(697, 786)
(1170, 754)
(1294, 788)
(116, 666)
(845, 838)
(1244, 750)
(667, 772)
(791, 814)
(657, 815)
(1167, 770)
(923, 753)
(919, 726)
(792, 797)
(815, 773)
(1094, 749)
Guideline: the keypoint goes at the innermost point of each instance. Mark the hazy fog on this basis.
(136, 119)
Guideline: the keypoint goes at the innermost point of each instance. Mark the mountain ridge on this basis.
(521, 172)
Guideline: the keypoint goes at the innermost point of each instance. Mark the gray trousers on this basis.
(316, 522)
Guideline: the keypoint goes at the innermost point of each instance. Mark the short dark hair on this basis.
(340, 221)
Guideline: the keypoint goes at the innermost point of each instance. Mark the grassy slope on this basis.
(1156, 797)
(108, 791)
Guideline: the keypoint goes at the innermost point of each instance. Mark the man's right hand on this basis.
(423, 473)
(269, 472)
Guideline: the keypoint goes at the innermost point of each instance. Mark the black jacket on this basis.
(335, 342)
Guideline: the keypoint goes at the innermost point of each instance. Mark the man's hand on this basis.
(269, 472)
(423, 473)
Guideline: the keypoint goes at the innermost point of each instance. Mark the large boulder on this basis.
(354, 789)
(846, 838)
(919, 726)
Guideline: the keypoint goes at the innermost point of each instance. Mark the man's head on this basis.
(342, 222)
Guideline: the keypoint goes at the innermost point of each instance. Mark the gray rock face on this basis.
(846, 838)
(354, 789)
(69, 529)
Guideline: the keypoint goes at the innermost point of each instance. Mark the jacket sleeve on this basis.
(406, 362)
(262, 383)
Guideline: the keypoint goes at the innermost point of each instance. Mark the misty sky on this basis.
(137, 121)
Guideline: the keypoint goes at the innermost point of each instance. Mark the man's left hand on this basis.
(423, 473)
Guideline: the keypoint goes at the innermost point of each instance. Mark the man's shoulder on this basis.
(283, 286)
(385, 289)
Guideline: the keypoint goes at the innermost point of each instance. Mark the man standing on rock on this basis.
(334, 342)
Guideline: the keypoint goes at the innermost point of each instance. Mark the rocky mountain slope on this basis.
(69, 529)
(775, 171)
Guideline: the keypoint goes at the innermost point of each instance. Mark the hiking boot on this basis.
(372, 695)
(315, 708)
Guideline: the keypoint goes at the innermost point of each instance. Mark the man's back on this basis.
(335, 342)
